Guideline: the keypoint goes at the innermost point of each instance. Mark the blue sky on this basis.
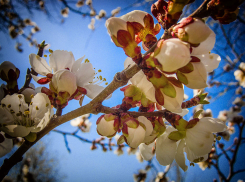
(73, 35)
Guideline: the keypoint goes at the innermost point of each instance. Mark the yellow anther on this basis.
(9, 106)
(31, 96)
(51, 51)
(219, 138)
(37, 108)
(106, 83)
(100, 77)
(104, 79)
(45, 55)
(86, 61)
(19, 96)
(99, 70)
(26, 112)
(38, 57)
(12, 111)
(47, 104)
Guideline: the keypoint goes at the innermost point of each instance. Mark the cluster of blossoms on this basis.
(181, 58)
(26, 111)
(68, 79)
(23, 112)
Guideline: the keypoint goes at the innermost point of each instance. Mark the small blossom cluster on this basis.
(23, 112)
(68, 79)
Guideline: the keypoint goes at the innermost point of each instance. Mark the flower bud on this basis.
(144, 28)
(107, 125)
(134, 132)
(172, 54)
(8, 71)
(64, 81)
(114, 24)
(192, 30)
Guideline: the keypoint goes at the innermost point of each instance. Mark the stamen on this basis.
(50, 50)
(9, 105)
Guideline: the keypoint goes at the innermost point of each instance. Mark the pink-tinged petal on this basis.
(6, 146)
(165, 148)
(16, 130)
(76, 64)
(93, 90)
(180, 157)
(205, 46)
(61, 59)
(146, 151)
(84, 74)
(39, 64)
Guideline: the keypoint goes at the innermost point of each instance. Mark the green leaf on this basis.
(169, 90)
(181, 77)
(204, 102)
(177, 135)
(187, 68)
(196, 115)
(31, 137)
(181, 124)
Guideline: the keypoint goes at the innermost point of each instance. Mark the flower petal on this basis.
(60, 59)
(16, 130)
(199, 141)
(40, 105)
(39, 64)
(84, 74)
(205, 46)
(93, 90)
(180, 157)
(165, 148)
(15, 102)
(146, 151)
(210, 61)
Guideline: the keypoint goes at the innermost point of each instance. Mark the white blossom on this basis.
(66, 69)
(19, 118)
